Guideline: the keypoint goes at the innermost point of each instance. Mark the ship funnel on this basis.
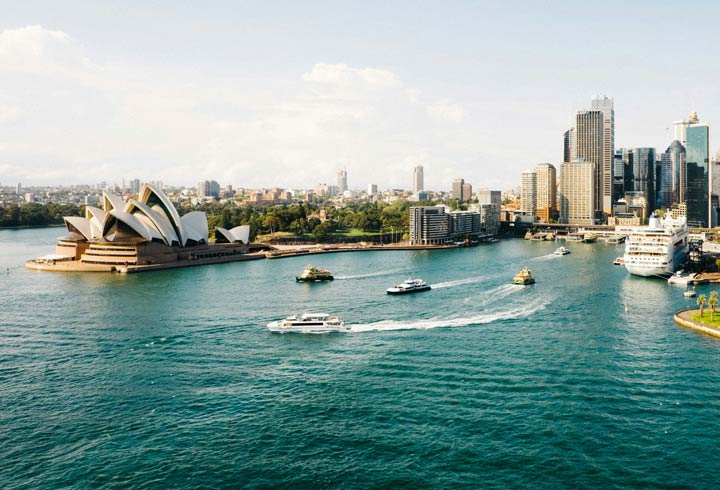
(654, 221)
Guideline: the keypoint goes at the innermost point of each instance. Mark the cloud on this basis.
(9, 114)
(341, 74)
(35, 48)
(443, 110)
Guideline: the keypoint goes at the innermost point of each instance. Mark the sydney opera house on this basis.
(142, 234)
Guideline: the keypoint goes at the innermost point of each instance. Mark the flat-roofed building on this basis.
(429, 225)
(546, 191)
(577, 193)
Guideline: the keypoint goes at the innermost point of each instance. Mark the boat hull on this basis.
(277, 327)
(313, 279)
(408, 291)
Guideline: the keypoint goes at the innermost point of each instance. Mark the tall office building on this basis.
(607, 107)
(342, 181)
(682, 125)
(546, 191)
(569, 145)
(697, 164)
(577, 193)
(418, 179)
(372, 190)
(639, 173)
(672, 171)
(528, 192)
(457, 189)
(467, 191)
(490, 217)
(208, 188)
(618, 177)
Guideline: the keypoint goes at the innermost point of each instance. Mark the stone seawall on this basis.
(682, 318)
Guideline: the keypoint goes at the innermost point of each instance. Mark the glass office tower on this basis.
(697, 171)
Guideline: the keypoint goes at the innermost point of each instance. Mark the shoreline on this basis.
(682, 318)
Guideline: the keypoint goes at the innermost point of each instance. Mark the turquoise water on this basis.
(170, 379)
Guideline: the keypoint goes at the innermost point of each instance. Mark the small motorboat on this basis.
(689, 292)
(562, 251)
(618, 261)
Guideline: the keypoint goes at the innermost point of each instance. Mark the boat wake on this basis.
(492, 295)
(459, 282)
(372, 274)
(430, 323)
(549, 256)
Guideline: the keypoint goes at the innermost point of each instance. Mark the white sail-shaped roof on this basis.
(131, 221)
(237, 234)
(111, 201)
(96, 217)
(151, 196)
(80, 225)
(196, 227)
(162, 225)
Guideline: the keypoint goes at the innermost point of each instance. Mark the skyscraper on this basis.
(682, 125)
(640, 174)
(607, 107)
(342, 181)
(457, 189)
(546, 191)
(528, 192)
(418, 179)
(467, 191)
(697, 164)
(577, 193)
(672, 175)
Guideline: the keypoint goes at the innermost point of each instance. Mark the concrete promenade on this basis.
(682, 318)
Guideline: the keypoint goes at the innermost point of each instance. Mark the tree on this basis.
(271, 222)
(702, 300)
(712, 303)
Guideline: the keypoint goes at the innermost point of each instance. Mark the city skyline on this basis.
(189, 98)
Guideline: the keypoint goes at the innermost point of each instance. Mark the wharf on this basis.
(290, 251)
(682, 318)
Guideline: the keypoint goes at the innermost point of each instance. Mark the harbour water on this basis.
(170, 379)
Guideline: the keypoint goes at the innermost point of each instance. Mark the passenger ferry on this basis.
(309, 323)
(524, 277)
(409, 286)
(657, 249)
(314, 274)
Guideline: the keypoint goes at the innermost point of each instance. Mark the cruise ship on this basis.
(657, 249)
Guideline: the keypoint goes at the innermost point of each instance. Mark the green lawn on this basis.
(705, 320)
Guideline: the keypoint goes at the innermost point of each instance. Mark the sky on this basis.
(285, 94)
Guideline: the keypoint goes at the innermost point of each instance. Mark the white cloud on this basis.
(35, 48)
(9, 114)
(443, 110)
(341, 74)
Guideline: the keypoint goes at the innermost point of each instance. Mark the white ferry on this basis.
(309, 323)
(657, 249)
(409, 286)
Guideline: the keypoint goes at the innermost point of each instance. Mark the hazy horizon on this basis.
(287, 94)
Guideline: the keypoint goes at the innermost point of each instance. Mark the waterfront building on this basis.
(143, 231)
(697, 164)
(464, 223)
(546, 191)
(342, 181)
(418, 179)
(528, 193)
(458, 186)
(485, 198)
(577, 193)
(429, 225)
